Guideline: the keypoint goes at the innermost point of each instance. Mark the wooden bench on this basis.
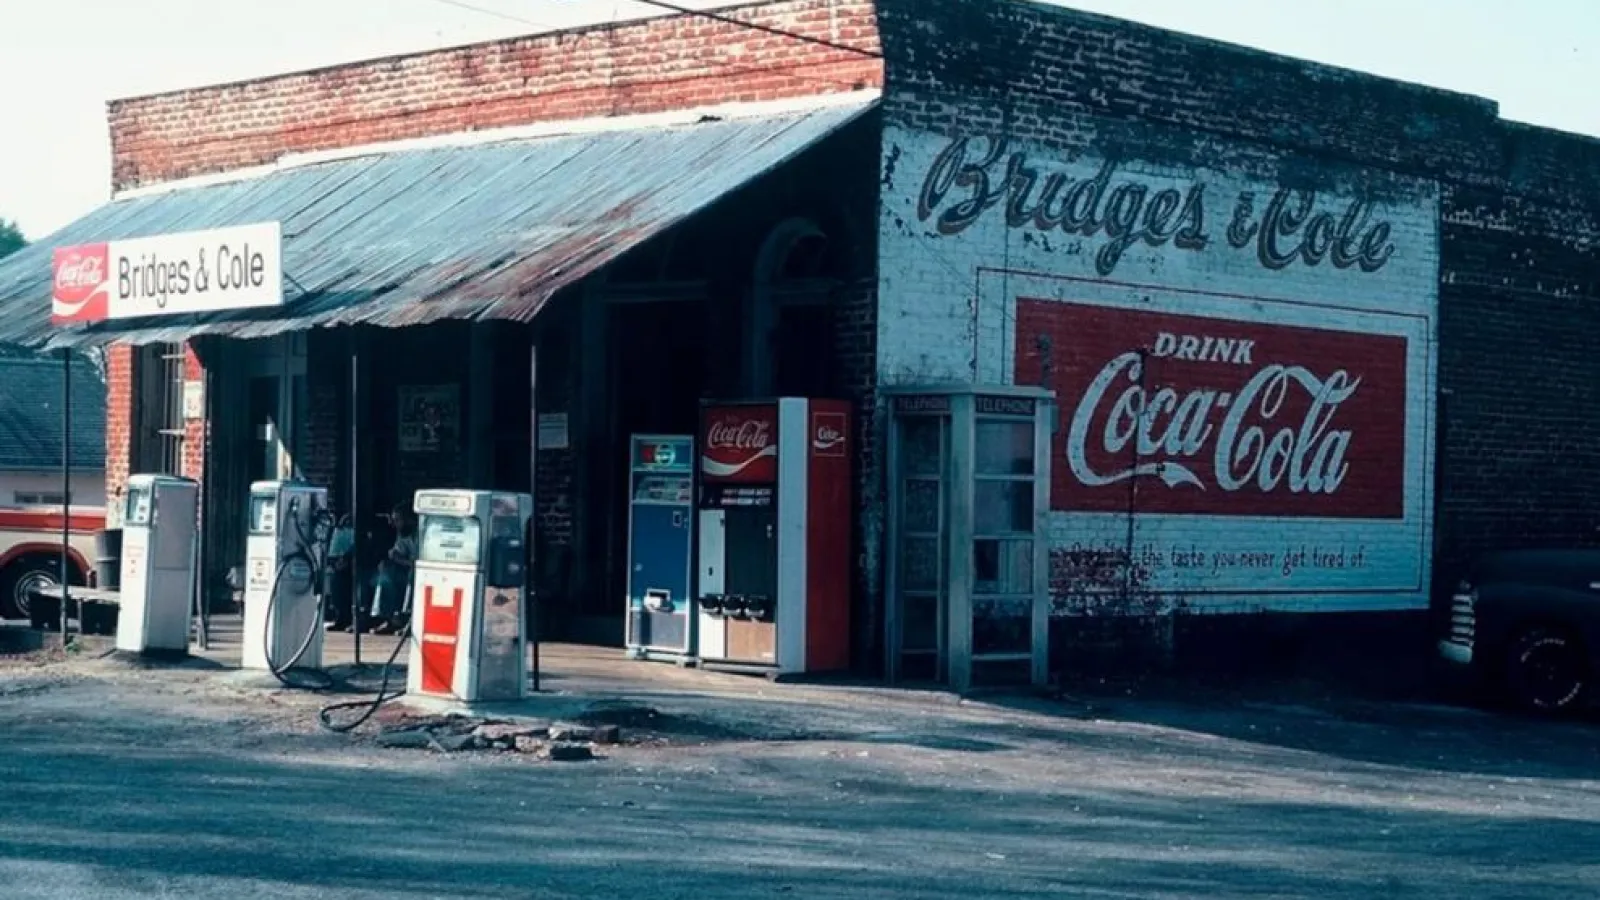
(95, 608)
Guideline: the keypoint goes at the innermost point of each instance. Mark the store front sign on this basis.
(190, 272)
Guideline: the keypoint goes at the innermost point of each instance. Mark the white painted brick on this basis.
(947, 312)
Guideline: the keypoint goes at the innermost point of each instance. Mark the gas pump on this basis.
(282, 603)
(774, 513)
(469, 635)
(158, 564)
(660, 622)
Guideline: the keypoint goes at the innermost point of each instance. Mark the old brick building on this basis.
(652, 297)
(1443, 256)
(1316, 337)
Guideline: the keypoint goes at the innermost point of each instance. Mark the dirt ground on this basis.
(122, 781)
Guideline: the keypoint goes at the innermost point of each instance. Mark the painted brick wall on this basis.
(661, 64)
(1045, 63)
(1052, 209)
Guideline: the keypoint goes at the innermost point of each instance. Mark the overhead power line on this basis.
(756, 26)
(493, 12)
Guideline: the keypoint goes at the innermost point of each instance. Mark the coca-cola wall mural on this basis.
(1244, 361)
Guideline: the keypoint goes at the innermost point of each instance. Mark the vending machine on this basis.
(774, 512)
(159, 543)
(467, 617)
(660, 621)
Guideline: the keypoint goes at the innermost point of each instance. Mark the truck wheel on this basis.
(1547, 671)
(20, 579)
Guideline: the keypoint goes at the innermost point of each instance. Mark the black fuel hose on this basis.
(369, 707)
(320, 680)
(305, 554)
(285, 671)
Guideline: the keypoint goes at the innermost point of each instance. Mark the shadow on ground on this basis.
(791, 825)
(1314, 718)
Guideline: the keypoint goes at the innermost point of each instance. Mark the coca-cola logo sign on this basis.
(215, 270)
(828, 433)
(740, 444)
(1186, 414)
(81, 290)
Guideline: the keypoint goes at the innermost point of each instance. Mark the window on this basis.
(158, 374)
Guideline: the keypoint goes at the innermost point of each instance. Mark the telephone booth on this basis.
(968, 548)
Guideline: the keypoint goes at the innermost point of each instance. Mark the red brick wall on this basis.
(119, 421)
(193, 464)
(856, 349)
(652, 66)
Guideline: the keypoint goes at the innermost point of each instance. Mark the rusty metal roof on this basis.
(403, 238)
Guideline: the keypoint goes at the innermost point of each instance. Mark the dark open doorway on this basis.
(657, 360)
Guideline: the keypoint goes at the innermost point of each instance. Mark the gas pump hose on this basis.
(320, 680)
(285, 671)
(369, 707)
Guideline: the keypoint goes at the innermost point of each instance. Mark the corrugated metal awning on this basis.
(463, 232)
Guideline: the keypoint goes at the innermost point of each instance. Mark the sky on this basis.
(61, 60)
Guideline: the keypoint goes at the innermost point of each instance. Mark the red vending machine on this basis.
(773, 514)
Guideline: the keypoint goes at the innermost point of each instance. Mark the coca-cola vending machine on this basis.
(774, 509)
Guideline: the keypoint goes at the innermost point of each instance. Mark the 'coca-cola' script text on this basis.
(739, 444)
(1185, 414)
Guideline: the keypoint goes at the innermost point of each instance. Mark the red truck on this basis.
(30, 551)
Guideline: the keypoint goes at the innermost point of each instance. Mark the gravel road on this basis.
(123, 783)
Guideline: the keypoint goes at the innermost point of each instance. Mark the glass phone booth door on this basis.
(920, 446)
(967, 567)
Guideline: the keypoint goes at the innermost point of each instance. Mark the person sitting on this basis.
(340, 585)
(391, 596)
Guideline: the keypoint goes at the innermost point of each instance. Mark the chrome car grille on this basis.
(1463, 618)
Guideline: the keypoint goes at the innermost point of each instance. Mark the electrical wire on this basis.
(493, 12)
(757, 26)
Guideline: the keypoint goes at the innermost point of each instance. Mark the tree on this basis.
(11, 239)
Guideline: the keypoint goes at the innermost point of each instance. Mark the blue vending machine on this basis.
(660, 528)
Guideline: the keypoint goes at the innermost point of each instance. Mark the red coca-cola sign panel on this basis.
(1183, 414)
(740, 443)
(81, 292)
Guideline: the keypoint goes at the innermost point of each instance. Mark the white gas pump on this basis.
(158, 564)
(282, 611)
(469, 639)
